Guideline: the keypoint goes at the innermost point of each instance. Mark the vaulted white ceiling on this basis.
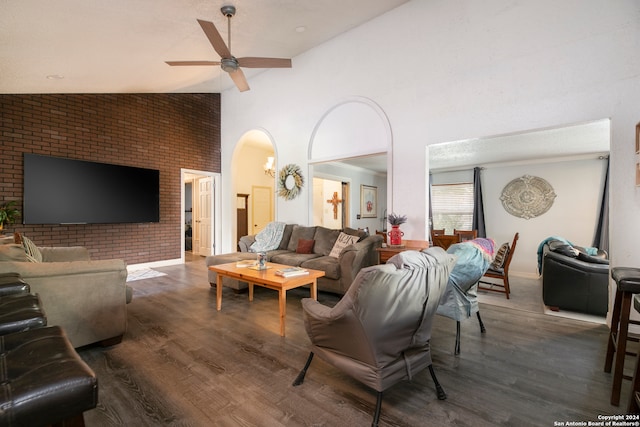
(119, 46)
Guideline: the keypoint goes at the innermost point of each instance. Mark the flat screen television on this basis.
(68, 191)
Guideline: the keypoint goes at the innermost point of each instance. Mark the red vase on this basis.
(395, 236)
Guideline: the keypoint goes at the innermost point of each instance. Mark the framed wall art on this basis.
(368, 201)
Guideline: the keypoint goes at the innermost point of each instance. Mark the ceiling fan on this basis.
(228, 62)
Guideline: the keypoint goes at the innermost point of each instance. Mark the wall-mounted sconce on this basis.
(269, 167)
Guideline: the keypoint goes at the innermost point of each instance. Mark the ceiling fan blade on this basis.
(240, 80)
(215, 38)
(255, 62)
(174, 63)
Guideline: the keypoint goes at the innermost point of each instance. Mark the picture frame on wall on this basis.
(368, 201)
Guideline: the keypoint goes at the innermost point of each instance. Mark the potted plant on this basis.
(8, 213)
(395, 234)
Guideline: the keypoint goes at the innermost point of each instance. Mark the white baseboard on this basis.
(164, 263)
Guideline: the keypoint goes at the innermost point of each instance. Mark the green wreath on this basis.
(290, 181)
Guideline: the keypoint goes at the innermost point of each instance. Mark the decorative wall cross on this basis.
(335, 201)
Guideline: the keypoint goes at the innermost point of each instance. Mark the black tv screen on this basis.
(67, 191)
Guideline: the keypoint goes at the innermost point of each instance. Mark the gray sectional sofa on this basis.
(339, 272)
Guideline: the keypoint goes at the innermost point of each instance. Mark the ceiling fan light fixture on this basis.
(228, 10)
(229, 64)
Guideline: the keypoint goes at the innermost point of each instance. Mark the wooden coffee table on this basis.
(267, 279)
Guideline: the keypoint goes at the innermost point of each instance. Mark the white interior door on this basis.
(261, 207)
(204, 215)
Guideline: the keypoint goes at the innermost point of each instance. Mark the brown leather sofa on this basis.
(44, 380)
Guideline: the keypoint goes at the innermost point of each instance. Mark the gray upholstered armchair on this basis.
(379, 332)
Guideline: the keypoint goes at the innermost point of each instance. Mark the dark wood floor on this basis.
(182, 363)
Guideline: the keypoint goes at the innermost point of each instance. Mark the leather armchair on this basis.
(573, 280)
(379, 332)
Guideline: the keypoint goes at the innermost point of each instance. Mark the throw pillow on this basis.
(300, 232)
(342, 242)
(33, 253)
(305, 246)
(500, 257)
(361, 233)
(325, 239)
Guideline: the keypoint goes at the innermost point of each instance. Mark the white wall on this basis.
(449, 70)
(323, 214)
(356, 177)
(573, 215)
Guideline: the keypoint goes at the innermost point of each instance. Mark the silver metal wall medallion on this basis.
(527, 197)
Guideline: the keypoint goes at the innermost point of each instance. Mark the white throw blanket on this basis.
(269, 238)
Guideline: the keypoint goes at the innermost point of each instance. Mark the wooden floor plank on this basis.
(182, 363)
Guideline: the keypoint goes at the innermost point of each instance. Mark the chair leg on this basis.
(621, 349)
(376, 414)
(457, 349)
(300, 378)
(613, 331)
(507, 289)
(439, 390)
(633, 407)
(482, 328)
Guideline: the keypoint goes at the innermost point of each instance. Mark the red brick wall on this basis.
(156, 131)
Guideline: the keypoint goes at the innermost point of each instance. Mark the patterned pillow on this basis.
(342, 242)
(33, 253)
(501, 256)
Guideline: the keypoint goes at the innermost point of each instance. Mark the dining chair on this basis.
(437, 232)
(445, 240)
(500, 272)
(466, 234)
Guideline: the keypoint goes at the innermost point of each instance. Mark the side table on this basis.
(388, 251)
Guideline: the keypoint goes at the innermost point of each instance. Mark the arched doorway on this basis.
(254, 168)
(349, 144)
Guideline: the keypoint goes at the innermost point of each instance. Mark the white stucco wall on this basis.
(356, 177)
(457, 69)
(573, 215)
